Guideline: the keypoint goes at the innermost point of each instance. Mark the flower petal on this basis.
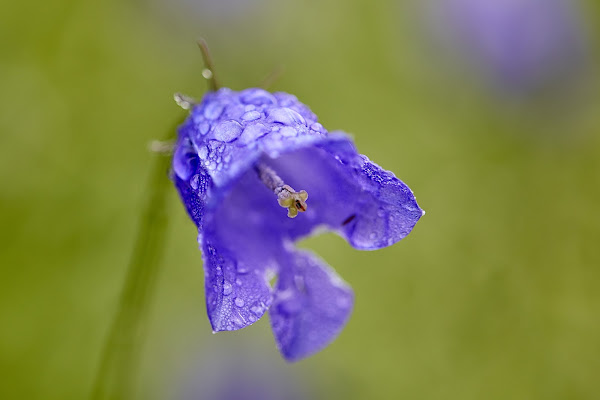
(192, 182)
(349, 194)
(311, 306)
(237, 294)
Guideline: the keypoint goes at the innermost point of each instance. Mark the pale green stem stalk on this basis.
(120, 357)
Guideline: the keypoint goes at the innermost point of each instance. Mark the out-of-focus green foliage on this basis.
(494, 295)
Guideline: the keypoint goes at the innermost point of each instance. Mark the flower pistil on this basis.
(287, 197)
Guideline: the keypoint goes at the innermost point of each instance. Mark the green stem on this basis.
(120, 357)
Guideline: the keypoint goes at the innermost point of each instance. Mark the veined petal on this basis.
(310, 307)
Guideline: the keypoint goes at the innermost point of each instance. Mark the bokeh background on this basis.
(488, 110)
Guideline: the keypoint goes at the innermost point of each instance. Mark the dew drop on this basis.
(256, 309)
(213, 110)
(203, 152)
(238, 282)
(253, 132)
(288, 131)
(194, 182)
(204, 128)
(257, 97)
(373, 235)
(228, 131)
(286, 116)
(251, 116)
(317, 127)
(252, 318)
(227, 288)
(239, 302)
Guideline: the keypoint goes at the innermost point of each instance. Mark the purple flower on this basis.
(247, 372)
(521, 45)
(238, 158)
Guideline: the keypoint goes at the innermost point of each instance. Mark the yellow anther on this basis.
(287, 197)
(294, 201)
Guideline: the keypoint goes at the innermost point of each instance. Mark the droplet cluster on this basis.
(227, 125)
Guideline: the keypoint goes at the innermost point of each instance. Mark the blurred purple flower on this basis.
(521, 45)
(233, 373)
(237, 159)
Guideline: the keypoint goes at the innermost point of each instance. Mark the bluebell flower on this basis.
(245, 164)
(519, 45)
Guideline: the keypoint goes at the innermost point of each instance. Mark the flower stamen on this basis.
(287, 197)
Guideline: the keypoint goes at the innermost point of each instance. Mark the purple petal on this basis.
(348, 194)
(237, 293)
(311, 306)
(194, 190)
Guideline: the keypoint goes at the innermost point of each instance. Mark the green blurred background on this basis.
(494, 295)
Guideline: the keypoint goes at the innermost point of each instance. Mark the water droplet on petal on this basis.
(253, 132)
(252, 318)
(239, 302)
(228, 131)
(238, 282)
(203, 152)
(194, 182)
(227, 288)
(251, 116)
(257, 97)
(286, 116)
(204, 127)
(288, 131)
(213, 110)
(317, 127)
(256, 309)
